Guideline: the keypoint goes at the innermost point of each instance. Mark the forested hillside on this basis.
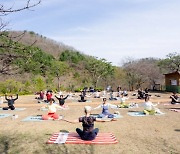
(33, 68)
(31, 62)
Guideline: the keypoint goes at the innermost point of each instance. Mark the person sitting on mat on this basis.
(122, 101)
(41, 95)
(1, 100)
(61, 100)
(149, 107)
(51, 111)
(82, 97)
(10, 102)
(97, 94)
(48, 96)
(105, 109)
(88, 132)
(175, 98)
(112, 96)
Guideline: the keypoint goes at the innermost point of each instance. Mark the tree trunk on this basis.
(58, 83)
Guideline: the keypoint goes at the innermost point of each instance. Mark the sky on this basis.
(112, 29)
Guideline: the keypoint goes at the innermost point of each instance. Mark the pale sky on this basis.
(110, 29)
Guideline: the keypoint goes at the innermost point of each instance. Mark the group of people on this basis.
(88, 132)
(142, 93)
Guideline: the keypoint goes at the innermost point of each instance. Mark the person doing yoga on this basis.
(88, 132)
(51, 111)
(48, 96)
(149, 107)
(105, 109)
(175, 98)
(61, 99)
(10, 102)
(123, 101)
(82, 97)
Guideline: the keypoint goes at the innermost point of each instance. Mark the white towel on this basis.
(62, 137)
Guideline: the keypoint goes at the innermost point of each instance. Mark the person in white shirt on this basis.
(104, 93)
(149, 107)
(105, 109)
(1, 100)
(97, 94)
(122, 101)
(52, 108)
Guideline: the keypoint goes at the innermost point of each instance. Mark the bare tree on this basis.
(142, 72)
(7, 43)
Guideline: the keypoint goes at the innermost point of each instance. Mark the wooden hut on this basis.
(172, 82)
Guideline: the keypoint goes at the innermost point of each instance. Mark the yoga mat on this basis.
(175, 110)
(33, 118)
(167, 104)
(5, 115)
(130, 107)
(16, 109)
(64, 108)
(73, 138)
(116, 116)
(87, 101)
(140, 114)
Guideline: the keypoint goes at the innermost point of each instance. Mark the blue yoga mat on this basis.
(139, 114)
(116, 116)
(5, 115)
(33, 118)
(16, 109)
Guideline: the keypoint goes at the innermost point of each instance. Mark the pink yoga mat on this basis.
(73, 138)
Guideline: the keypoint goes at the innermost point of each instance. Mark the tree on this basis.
(39, 83)
(6, 43)
(142, 72)
(99, 69)
(71, 56)
(59, 69)
(171, 63)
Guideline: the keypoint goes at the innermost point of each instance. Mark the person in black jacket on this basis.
(88, 132)
(61, 99)
(175, 98)
(10, 102)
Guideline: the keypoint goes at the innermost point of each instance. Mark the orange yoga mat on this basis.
(73, 138)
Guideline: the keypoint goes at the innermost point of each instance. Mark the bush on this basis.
(71, 56)
(99, 89)
(78, 89)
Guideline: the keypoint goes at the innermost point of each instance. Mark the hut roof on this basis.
(176, 72)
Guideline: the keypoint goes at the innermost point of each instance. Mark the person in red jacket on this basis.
(48, 96)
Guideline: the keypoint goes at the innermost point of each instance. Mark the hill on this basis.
(47, 45)
(47, 64)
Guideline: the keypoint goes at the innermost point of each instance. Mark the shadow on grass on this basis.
(133, 111)
(177, 130)
(36, 144)
(64, 131)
